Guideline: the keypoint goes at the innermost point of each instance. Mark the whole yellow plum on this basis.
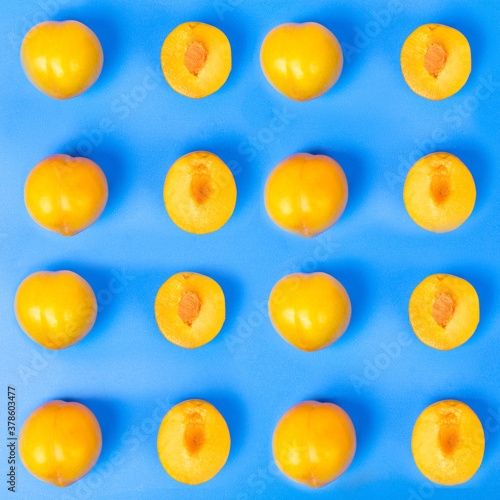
(302, 61)
(62, 59)
(310, 311)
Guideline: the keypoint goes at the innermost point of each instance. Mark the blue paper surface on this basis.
(135, 126)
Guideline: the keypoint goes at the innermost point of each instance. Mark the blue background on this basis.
(135, 126)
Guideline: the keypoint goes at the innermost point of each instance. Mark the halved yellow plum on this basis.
(439, 192)
(448, 443)
(196, 59)
(199, 192)
(190, 309)
(444, 311)
(193, 442)
(436, 61)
